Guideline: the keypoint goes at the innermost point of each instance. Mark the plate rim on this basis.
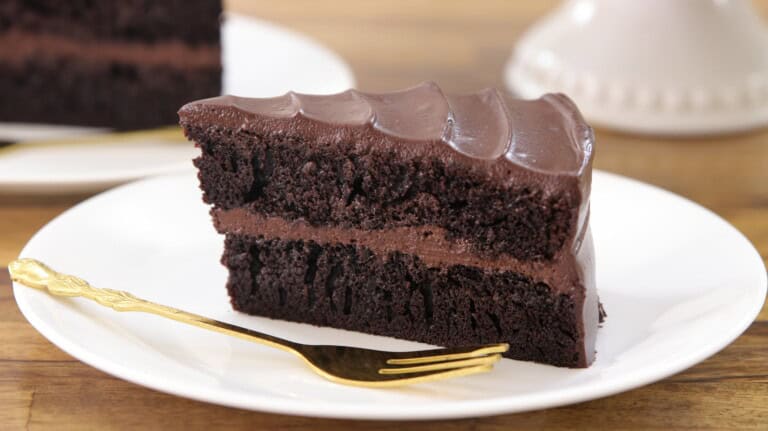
(451, 409)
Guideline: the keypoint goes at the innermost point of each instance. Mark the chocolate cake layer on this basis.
(120, 96)
(195, 22)
(373, 188)
(519, 186)
(350, 287)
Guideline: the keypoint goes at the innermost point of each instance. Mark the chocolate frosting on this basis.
(547, 135)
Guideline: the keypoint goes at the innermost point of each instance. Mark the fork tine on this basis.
(431, 377)
(482, 351)
(447, 365)
(458, 372)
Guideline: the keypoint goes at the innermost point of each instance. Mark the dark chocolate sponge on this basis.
(195, 22)
(341, 186)
(120, 96)
(397, 295)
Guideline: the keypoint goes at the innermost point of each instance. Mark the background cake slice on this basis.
(121, 64)
(443, 219)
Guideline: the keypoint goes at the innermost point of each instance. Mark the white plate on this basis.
(259, 60)
(678, 283)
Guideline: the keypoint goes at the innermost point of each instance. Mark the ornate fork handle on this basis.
(36, 274)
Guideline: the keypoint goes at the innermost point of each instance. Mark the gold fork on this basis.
(340, 364)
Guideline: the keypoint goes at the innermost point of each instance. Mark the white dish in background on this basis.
(678, 283)
(656, 67)
(260, 59)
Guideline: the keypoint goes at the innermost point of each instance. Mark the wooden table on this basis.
(462, 46)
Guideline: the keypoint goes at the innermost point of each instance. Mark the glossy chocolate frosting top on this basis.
(547, 135)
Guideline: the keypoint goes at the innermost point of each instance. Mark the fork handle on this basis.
(35, 274)
(167, 133)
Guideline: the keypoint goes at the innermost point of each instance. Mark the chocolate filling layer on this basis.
(428, 243)
(28, 45)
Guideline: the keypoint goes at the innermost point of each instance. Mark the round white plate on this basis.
(259, 60)
(677, 281)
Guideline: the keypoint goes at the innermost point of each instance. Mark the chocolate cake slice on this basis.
(122, 64)
(444, 219)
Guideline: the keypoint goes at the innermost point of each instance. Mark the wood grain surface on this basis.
(462, 46)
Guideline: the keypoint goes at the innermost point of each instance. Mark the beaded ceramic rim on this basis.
(638, 107)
